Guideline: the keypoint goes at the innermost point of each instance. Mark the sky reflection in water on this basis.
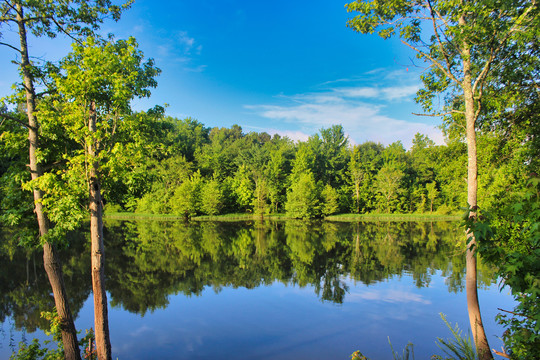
(287, 319)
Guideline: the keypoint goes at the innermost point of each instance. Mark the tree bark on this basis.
(101, 319)
(51, 261)
(473, 305)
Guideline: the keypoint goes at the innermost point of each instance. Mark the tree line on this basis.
(224, 170)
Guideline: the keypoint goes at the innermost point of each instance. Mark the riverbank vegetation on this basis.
(225, 170)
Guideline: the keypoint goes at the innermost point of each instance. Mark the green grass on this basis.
(139, 216)
(240, 217)
(393, 217)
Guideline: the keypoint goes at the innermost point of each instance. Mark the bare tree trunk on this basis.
(473, 305)
(101, 318)
(51, 261)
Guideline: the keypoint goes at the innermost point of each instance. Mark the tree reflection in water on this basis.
(147, 261)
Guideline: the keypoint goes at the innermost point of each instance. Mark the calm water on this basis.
(271, 290)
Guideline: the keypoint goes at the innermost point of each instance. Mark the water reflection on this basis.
(148, 261)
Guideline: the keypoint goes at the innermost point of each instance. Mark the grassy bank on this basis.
(139, 216)
(393, 217)
(248, 217)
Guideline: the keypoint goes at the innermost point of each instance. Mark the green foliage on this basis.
(260, 204)
(76, 18)
(458, 347)
(432, 193)
(388, 184)
(35, 351)
(186, 200)
(303, 198)
(211, 197)
(510, 237)
(265, 169)
(329, 200)
(243, 187)
(102, 76)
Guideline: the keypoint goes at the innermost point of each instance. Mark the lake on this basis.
(265, 290)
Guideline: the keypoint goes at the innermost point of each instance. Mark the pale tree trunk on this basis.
(358, 176)
(101, 320)
(51, 261)
(473, 305)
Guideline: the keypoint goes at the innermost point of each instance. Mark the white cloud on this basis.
(360, 110)
(400, 92)
(391, 296)
(138, 29)
(186, 41)
(360, 92)
(293, 135)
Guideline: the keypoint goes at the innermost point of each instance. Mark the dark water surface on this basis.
(259, 290)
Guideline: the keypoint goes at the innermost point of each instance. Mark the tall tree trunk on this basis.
(473, 305)
(101, 319)
(51, 261)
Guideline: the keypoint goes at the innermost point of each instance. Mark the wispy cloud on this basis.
(180, 49)
(392, 93)
(361, 110)
(187, 41)
(391, 296)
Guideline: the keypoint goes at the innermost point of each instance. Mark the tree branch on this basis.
(482, 76)
(517, 314)
(65, 32)
(441, 47)
(10, 46)
(440, 114)
(503, 353)
(434, 62)
(42, 18)
(13, 118)
(10, 7)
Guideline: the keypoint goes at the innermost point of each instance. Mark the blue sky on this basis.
(287, 67)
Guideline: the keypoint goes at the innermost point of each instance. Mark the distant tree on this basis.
(329, 200)
(243, 187)
(277, 171)
(187, 197)
(211, 197)
(357, 175)
(303, 198)
(334, 155)
(260, 196)
(388, 184)
(365, 162)
(432, 193)
(186, 136)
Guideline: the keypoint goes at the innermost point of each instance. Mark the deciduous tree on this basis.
(49, 18)
(95, 85)
(461, 42)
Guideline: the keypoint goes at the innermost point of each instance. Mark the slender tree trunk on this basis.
(51, 261)
(473, 305)
(101, 319)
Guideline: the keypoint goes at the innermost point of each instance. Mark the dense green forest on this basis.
(188, 169)
(203, 171)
